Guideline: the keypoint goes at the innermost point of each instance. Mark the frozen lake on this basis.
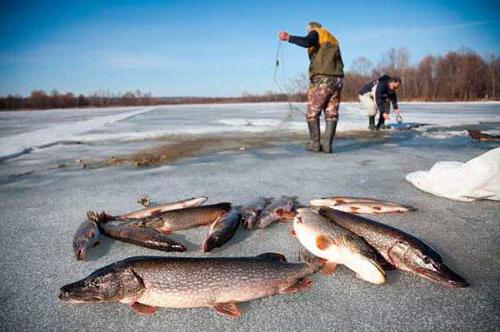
(42, 208)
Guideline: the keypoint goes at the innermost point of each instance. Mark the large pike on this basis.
(141, 236)
(178, 282)
(337, 246)
(398, 248)
(170, 221)
(250, 213)
(360, 205)
(281, 209)
(222, 230)
(86, 236)
(150, 211)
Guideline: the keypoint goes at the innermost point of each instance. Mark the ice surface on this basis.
(41, 211)
(23, 131)
(24, 142)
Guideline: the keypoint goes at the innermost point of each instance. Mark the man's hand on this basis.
(396, 110)
(283, 36)
(386, 116)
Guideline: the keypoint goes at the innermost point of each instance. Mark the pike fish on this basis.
(222, 230)
(398, 248)
(86, 236)
(146, 283)
(250, 213)
(360, 205)
(170, 221)
(336, 245)
(141, 236)
(151, 211)
(281, 209)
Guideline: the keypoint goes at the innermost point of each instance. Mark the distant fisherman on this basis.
(377, 95)
(325, 74)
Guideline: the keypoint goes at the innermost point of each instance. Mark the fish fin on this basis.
(142, 309)
(323, 242)
(307, 257)
(273, 256)
(228, 309)
(328, 268)
(96, 243)
(299, 285)
(292, 233)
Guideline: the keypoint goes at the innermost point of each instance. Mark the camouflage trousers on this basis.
(324, 95)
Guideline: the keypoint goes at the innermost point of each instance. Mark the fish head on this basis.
(431, 267)
(80, 249)
(104, 285)
(307, 233)
(86, 237)
(250, 217)
(211, 243)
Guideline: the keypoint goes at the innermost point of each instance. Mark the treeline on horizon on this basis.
(456, 76)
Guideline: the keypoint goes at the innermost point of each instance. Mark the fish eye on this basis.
(426, 259)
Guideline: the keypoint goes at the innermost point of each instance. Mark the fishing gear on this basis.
(399, 119)
(280, 85)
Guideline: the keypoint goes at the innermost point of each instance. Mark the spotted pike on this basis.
(250, 213)
(141, 236)
(222, 230)
(146, 283)
(337, 246)
(281, 209)
(398, 248)
(360, 205)
(86, 236)
(170, 221)
(150, 211)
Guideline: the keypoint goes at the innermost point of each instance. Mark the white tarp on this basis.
(479, 178)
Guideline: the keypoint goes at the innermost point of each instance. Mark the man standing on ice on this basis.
(377, 95)
(325, 74)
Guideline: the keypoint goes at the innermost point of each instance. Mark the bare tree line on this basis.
(456, 76)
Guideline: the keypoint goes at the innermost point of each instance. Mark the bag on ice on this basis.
(479, 178)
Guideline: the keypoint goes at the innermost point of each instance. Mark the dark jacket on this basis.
(382, 94)
(324, 53)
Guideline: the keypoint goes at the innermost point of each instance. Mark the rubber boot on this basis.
(371, 124)
(381, 122)
(330, 128)
(314, 133)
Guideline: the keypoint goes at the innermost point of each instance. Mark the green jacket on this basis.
(326, 58)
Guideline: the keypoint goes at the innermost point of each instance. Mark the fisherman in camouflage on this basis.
(325, 74)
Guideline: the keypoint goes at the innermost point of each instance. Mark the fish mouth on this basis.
(68, 297)
(80, 253)
(77, 293)
(250, 220)
(444, 276)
